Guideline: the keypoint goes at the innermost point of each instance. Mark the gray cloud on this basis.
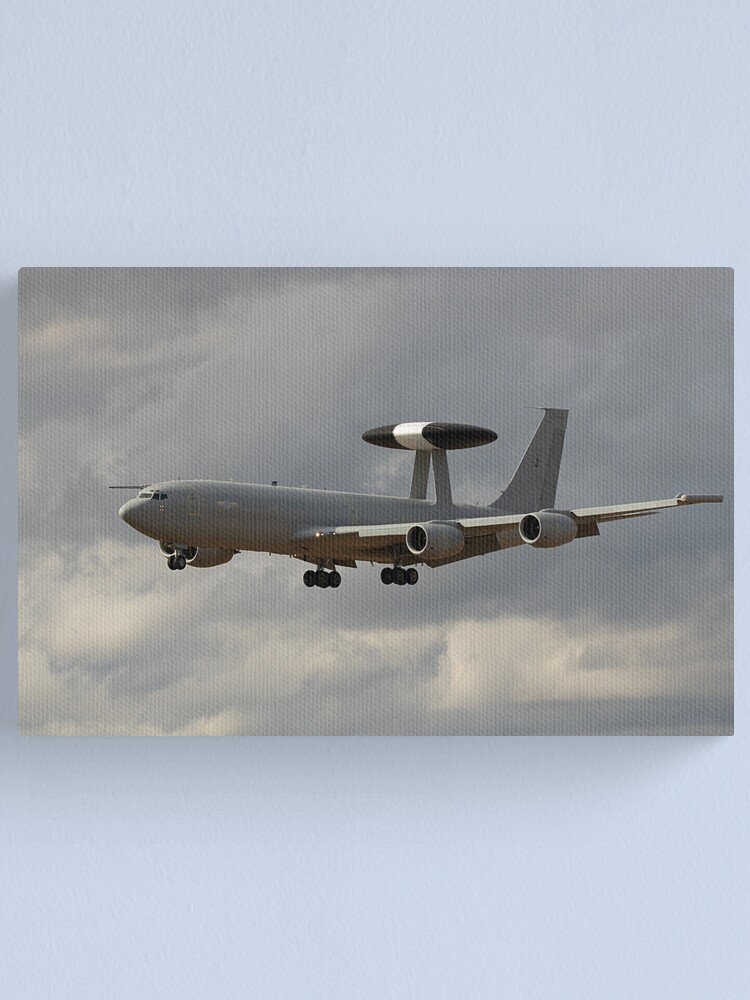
(135, 375)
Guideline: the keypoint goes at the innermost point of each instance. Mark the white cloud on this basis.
(284, 677)
(526, 660)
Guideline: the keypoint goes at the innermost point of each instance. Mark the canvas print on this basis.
(375, 501)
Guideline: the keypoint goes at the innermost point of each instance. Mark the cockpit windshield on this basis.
(150, 495)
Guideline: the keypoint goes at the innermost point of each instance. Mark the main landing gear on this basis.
(320, 578)
(399, 575)
(391, 574)
(177, 561)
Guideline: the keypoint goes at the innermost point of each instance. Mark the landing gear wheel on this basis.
(321, 579)
(334, 579)
(180, 562)
(411, 576)
(170, 562)
(386, 575)
(310, 578)
(399, 576)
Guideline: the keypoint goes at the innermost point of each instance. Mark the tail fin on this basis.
(534, 483)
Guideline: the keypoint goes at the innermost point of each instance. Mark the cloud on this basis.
(473, 676)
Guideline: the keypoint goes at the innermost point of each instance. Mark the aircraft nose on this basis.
(127, 511)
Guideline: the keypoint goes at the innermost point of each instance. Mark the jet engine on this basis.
(434, 540)
(547, 529)
(200, 558)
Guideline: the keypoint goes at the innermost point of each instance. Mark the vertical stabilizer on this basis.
(534, 484)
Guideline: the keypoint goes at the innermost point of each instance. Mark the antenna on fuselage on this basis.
(431, 441)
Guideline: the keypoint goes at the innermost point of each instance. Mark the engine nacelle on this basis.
(434, 540)
(547, 529)
(200, 558)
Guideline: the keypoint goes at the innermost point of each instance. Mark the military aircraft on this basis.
(204, 523)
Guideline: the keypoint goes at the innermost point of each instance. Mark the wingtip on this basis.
(688, 498)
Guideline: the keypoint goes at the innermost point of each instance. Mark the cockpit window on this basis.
(146, 495)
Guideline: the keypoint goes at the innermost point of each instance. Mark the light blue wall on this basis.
(344, 133)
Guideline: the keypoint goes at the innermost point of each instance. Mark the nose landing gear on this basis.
(177, 561)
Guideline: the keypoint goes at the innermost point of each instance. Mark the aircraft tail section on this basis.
(534, 483)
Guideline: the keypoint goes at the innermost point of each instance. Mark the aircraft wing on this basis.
(378, 534)
(482, 534)
(599, 515)
(373, 541)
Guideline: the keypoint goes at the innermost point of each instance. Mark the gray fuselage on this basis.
(276, 519)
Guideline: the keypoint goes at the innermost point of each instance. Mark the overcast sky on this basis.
(131, 376)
